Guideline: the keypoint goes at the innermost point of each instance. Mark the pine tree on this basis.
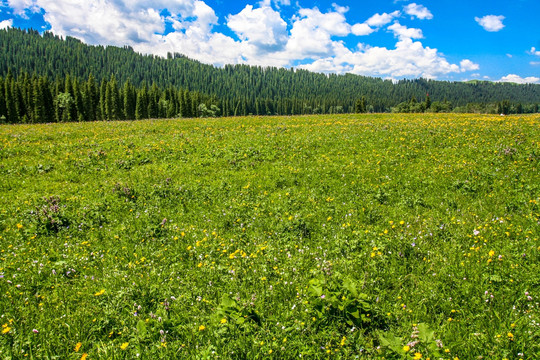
(130, 100)
(3, 109)
(11, 107)
(40, 110)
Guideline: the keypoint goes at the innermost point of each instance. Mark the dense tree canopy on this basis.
(48, 78)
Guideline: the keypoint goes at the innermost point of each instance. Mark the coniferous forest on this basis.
(46, 78)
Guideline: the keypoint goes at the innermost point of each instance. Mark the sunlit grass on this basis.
(328, 236)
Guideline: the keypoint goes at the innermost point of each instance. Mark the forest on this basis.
(47, 78)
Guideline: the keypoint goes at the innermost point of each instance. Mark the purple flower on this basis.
(35, 331)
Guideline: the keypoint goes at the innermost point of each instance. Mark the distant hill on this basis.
(240, 89)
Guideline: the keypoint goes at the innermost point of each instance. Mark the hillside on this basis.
(240, 89)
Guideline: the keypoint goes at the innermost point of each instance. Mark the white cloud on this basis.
(112, 22)
(408, 59)
(419, 11)
(374, 23)
(519, 80)
(379, 20)
(533, 51)
(362, 29)
(468, 65)
(6, 23)
(340, 9)
(492, 23)
(311, 33)
(535, 63)
(277, 3)
(262, 27)
(403, 32)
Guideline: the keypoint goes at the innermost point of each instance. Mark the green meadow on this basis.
(339, 236)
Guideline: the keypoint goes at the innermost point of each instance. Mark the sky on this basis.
(454, 40)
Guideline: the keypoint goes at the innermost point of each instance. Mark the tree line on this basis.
(67, 63)
(36, 99)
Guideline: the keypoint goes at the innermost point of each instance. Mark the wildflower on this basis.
(406, 348)
(83, 357)
(35, 331)
(223, 321)
(6, 329)
(100, 292)
(77, 347)
(124, 346)
(491, 253)
(19, 226)
(202, 327)
(510, 336)
(417, 356)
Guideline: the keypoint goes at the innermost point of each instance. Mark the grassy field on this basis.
(351, 236)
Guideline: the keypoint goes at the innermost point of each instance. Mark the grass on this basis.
(395, 236)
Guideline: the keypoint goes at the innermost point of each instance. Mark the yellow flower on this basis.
(83, 357)
(77, 347)
(491, 253)
(406, 348)
(510, 336)
(124, 346)
(19, 226)
(100, 292)
(223, 321)
(417, 356)
(202, 327)
(6, 330)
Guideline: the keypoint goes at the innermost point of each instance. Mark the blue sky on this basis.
(454, 40)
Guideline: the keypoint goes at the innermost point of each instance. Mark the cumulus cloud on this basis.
(520, 80)
(403, 32)
(113, 22)
(362, 29)
(468, 65)
(533, 51)
(379, 20)
(277, 3)
(312, 31)
(6, 23)
(492, 23)
(262, 27)
(419, 11)
(374, 23)
(409, 58)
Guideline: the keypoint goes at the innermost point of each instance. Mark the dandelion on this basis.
(223, 321)
(406, 348)
(6, 329)
(417, 356)
(124, 346)
(84, 356)
(100, 292)
(77, 347)
(19, 226)
(202, 327)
